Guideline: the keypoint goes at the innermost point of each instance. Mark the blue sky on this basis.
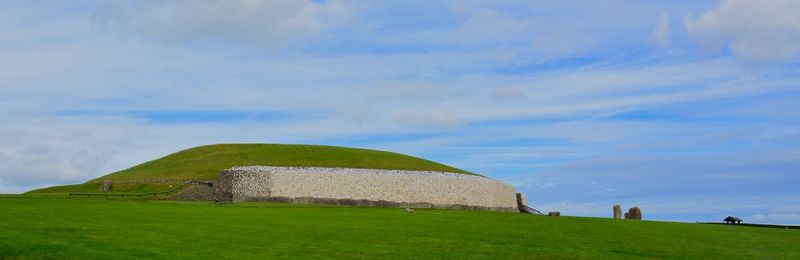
(687, 109)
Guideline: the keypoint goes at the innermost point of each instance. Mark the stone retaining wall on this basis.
(366, 187)
(194, 192)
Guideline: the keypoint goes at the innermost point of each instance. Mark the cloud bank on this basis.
(759, 31)
(263, 23)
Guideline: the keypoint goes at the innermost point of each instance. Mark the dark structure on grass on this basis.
(634, 213)
(732, 220)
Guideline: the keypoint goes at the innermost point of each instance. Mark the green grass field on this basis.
(205, 163)
(55, 226)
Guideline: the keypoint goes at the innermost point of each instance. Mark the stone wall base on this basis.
(195, 192)
(372, 203)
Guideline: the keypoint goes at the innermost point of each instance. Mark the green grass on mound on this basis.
(119, 187)
(205, 162)
(57, 227)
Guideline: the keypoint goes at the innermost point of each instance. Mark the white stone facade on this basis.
(439, 189)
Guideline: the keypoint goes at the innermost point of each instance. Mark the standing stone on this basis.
(107, 185)
(617, 211)
(554, 213)
(635, 213)
(627, 215)
(223, 191)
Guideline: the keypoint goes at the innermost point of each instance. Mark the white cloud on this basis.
(660, 36)
(509, 93)
(36, 151)
(265, 23)
(42, 150)
(436, 118)
(755, 30)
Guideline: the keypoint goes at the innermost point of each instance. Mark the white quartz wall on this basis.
(438, 188)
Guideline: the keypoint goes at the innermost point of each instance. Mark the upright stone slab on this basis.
(635, 213)
(223, 190)
(617, 211)
(107, 185)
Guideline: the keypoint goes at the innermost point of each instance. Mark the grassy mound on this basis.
(205, 162)
(119, 187)
(57, 227)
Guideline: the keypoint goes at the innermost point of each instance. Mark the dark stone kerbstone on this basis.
(303, 200)
(325, 201)
(256, 199)
(458, 206)
(386, 204)
(280, 199)
(223, 197)
(482, 208)
(422, 205)
(348, 202)
(415, 205)
(364, 203)
(504, 209)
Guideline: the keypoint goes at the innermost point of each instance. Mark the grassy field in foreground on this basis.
(59, 227)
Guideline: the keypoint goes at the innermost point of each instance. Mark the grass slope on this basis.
(205, 162)
(46, 226)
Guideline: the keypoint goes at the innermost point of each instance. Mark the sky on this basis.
(688, 109)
